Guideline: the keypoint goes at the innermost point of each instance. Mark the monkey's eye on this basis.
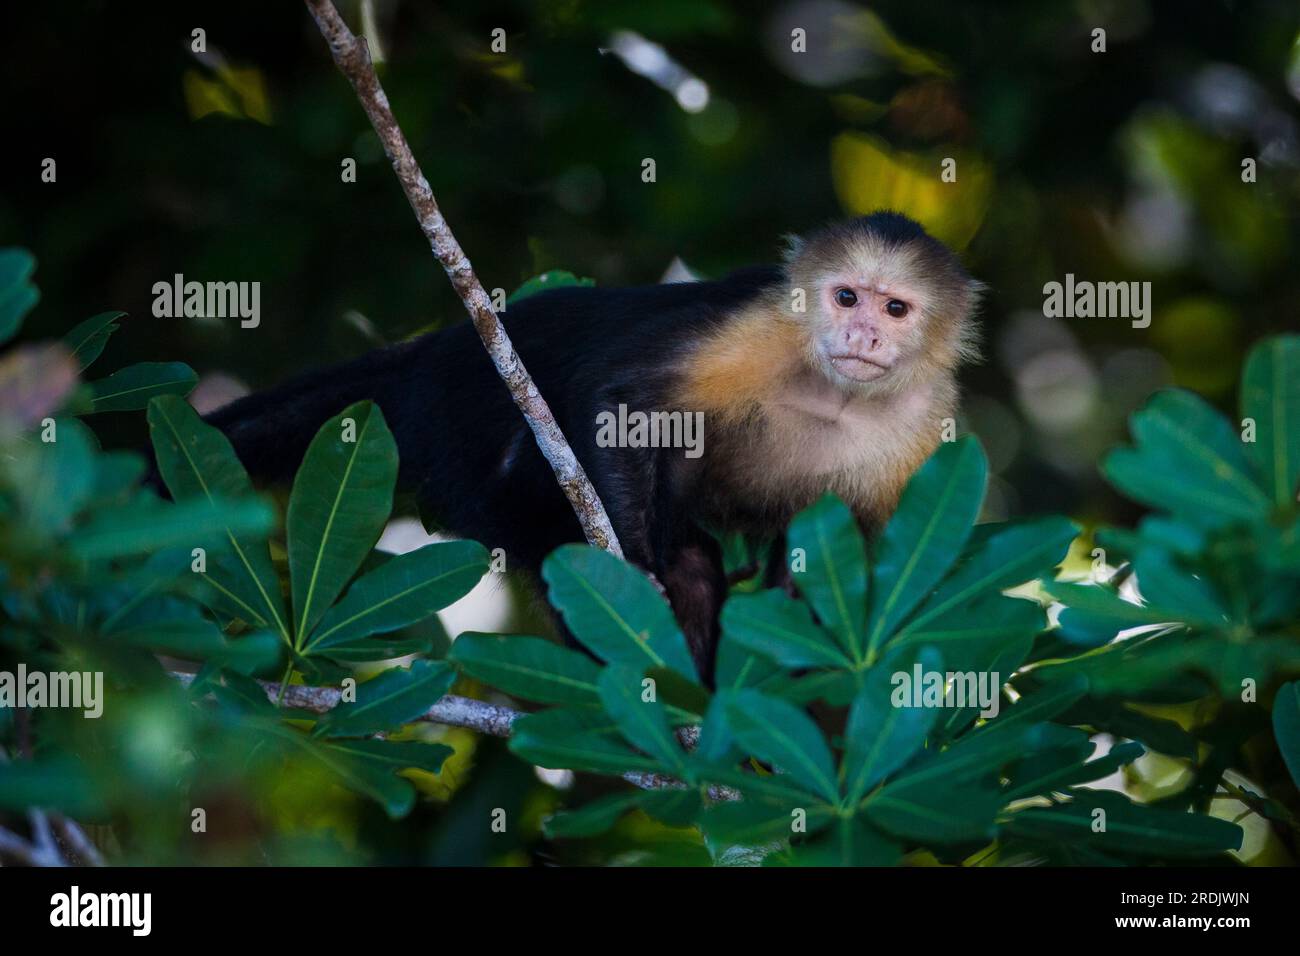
(845, 298)
(896, 307)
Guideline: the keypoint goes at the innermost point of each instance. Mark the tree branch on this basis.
(12, 845)
(454, 711)
(75, 837)
(42, 849)
(353, 59)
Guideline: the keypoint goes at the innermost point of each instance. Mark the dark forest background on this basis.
(1123, 165)
(1115, 166)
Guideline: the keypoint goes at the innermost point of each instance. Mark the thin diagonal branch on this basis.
(353, 59)
(75, 837)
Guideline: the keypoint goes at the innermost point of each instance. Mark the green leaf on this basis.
(198, 639)
(341, 499)
(593, 819)
(401, 591)
(554, 279)
(60, 783)
(926, 534)
(397, 696)
(850, 841)
(881, 736)
(680, 807)
(954, 791)
(372, 778)
(529, 667)
(676, 808)
(196, 461)
(716, 743)
(643, 723)
(250, 653)
(576, 740)
(194, 639)
(1270, 394)
(396, 754)
(1165, 585)
(1286, 726)
(17, 295)
(1060, 769)
(1043, 704)
(382, 647)
(614, 610)
(51, 481)
(999, 663)
(775, 625)
(116, 475)
(87, 340)
(973, 757)
(783, 735)
(977, 631)
(737, 666)
(683, 699)
(1006, 555)
(1130, 829)
(835, 687)
(760, 819)
(1189, 461)
(1117, 719)
(937, 813)
(1094, 614)
(149, 526)
(238, 693)
(834, 581)
(130, 389)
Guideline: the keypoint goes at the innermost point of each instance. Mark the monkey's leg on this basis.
(777, 574)
(691, 571)
(652, 519)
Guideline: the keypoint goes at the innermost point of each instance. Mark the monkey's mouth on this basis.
(858, 368)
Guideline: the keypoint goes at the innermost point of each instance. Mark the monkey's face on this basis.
(883, 312)
(865, 333)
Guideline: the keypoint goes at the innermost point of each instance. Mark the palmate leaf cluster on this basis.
(1217, 562)
(798, 751)
(99, 573)
(865, 781)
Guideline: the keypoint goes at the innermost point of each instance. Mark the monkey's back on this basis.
(464, 448)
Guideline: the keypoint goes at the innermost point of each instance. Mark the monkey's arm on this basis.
(658, 533)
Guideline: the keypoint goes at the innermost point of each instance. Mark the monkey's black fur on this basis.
(467, 453)
(469, 457)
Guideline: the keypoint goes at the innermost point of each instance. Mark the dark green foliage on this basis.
(824, 739)
(101, 574)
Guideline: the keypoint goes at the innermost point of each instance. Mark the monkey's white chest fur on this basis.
(815, 437)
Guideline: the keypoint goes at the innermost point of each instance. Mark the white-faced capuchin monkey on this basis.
(833, 371)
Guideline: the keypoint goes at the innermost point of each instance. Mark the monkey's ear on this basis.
(792, 247)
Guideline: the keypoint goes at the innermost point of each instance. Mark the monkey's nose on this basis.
(863, 339)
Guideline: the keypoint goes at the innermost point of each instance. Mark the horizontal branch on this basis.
(454, 711)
